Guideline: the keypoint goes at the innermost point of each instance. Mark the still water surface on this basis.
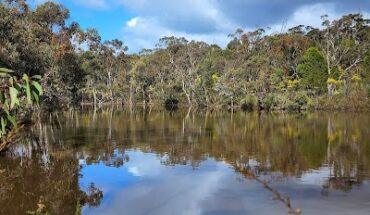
(114, 162)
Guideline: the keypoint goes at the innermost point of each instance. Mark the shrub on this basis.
(249, 103)
(300, 102)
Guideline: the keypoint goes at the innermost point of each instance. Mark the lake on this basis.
(189, 162)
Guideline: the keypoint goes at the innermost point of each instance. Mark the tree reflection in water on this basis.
(47, 165)
(36, 178)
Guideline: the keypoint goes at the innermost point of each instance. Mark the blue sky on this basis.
(140, 23)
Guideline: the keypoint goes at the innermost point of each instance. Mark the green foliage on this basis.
(16, 94)
(249, 103)
(365, 70)
(51, 14)
(72, 75)
(78, 67)
(269, 101)
(300, 101)
(313, 71)
(22, 47)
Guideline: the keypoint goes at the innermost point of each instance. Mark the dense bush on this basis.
(302, 68)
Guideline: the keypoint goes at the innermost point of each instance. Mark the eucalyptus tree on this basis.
(178, 62)
(344, 46)
(90, 63)
(103, 62)
(110, 53)
(209, 70)
(254, 68)
(21, 48)
(142, 79)
(188, 75)
(292, 47)
(165, 79)
(245, 60)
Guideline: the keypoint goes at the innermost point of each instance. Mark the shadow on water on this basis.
(45, 168)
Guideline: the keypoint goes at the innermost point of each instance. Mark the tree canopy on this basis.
(302, 68)
(313, 71)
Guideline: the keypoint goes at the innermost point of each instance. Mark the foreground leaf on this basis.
(37, 86)
(13, 97)
(4, 70)
(28, 89)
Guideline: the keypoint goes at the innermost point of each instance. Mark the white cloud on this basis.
(195, 20)
(159, 189)
(212, 20)
(306, 15)
(309, 15)
(142, 33)
(134, 171)
(191, 16)
(132, 22)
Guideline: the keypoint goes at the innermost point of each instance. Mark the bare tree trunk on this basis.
(186, 93)
(131, 96)
(94, 94)
(110, 86)
(232, 104)
(207, 97)
(144, 98)
(150, 99)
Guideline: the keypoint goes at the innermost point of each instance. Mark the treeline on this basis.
(303, 68)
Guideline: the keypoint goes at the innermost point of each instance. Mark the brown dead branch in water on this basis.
(10, 138)
(283, 199)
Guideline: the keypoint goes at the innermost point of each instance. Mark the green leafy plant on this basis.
(16, 94)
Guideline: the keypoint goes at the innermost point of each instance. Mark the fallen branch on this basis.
(283, 199)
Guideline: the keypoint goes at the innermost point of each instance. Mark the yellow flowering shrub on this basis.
(356, 78)
(334, 82)
(293, 83)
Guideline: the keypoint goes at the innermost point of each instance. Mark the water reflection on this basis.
(189, 163)
(31, 181)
